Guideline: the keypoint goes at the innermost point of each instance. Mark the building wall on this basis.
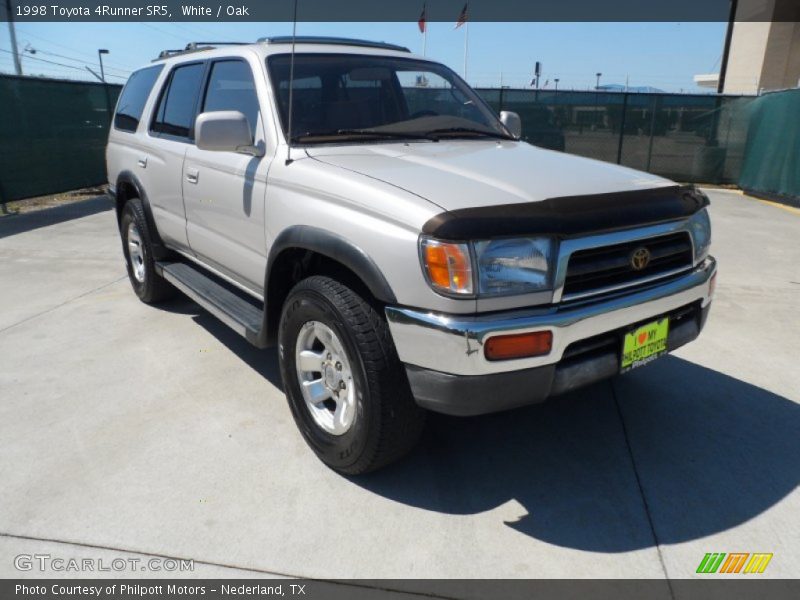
(764, 55)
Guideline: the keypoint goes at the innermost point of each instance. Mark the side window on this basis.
(175, 113)
(134, 97)
(231, 87)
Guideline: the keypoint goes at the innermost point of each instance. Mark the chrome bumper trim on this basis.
(454, 343)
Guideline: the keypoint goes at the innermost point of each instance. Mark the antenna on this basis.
(291, 89)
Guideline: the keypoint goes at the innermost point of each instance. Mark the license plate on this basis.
(644, 344)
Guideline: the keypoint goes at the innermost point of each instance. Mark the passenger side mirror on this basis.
(225, 131)
(512, 122)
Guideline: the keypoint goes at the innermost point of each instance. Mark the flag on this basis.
(421, 22)
(462, 18)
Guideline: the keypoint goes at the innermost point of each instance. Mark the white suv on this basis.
(367, 211)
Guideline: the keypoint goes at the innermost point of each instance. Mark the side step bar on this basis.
(225, 303)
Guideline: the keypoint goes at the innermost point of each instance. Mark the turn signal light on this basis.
(519, 345)
(448, 266)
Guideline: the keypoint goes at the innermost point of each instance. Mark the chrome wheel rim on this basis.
(325, 377)
(135, 252)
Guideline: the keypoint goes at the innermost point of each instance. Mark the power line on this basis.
(88, 56)
(80, 60)
(51, 62)
(162, 32)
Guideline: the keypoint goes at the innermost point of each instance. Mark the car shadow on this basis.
(711, 452)
(262, 360)
(14, 224)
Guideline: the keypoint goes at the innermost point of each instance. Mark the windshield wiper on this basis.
(387, 134)
(470, 131)
(360, 133)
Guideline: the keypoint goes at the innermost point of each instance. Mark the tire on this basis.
(137, 247)
(384, 420)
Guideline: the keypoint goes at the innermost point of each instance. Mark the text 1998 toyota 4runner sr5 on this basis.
(366, 211)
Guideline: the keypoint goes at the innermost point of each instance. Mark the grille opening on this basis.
(595, 269)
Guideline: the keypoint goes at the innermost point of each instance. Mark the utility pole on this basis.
(100, 55)
(598, 75)
(556, 80)
(13, 33)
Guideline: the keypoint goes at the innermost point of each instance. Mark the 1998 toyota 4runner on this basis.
(366, 210)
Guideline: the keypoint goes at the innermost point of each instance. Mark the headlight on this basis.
(513, 266)
(502, 267)
(700, 226)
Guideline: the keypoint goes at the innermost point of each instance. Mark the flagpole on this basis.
(425, 41)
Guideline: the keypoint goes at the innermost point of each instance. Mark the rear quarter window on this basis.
(133, 98)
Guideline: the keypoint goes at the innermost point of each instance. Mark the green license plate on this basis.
(644, 344)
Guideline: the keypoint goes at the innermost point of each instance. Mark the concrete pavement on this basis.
(131, 429)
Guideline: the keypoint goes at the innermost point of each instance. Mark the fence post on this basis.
(652, 132)
(622, 128)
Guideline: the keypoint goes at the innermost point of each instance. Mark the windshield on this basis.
(346, 97)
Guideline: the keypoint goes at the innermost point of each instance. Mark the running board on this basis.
(230, 307)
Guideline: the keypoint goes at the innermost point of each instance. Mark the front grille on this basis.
(596, 270)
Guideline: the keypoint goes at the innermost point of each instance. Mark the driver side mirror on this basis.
(512, 122)
(225, 131)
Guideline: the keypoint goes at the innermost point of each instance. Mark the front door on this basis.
(224, 192)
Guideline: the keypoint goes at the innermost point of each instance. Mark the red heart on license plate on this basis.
(642, 337)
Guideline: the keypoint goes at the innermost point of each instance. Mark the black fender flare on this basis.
(337, 248)
(129, 178)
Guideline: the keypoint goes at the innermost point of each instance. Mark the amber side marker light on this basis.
(518, 345)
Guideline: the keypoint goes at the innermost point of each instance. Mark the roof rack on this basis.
(283, 39)
(196, 47)
(338, 41)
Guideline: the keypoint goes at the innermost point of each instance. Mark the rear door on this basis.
(127, 141)
(224, 192)
(169, 135)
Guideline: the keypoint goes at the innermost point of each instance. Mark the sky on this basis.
(661, 55)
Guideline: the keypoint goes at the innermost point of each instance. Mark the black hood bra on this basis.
(569, 216)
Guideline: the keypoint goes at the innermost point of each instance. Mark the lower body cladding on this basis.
(449, 372)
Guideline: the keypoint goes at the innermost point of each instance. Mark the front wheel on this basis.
(347, 389)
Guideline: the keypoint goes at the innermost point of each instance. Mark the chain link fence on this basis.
(53, 133)
(772, 155)
(691, 138)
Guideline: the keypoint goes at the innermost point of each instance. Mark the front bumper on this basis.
(449, 373)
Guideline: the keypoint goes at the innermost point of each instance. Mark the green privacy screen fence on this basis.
(52, 135)
(53, 132)
(772, 159)
(694, 138)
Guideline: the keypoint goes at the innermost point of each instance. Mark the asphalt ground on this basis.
(133, 431)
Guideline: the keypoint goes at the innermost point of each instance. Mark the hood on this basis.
(472, 173)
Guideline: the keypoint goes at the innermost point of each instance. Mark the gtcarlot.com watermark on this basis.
(60, 564)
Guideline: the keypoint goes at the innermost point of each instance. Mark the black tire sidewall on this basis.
(130, 214)
(337, 451)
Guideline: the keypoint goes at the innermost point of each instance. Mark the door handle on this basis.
(192, 175)
(142, 162)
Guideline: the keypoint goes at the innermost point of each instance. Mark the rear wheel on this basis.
(138, 250)
(347, 389)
